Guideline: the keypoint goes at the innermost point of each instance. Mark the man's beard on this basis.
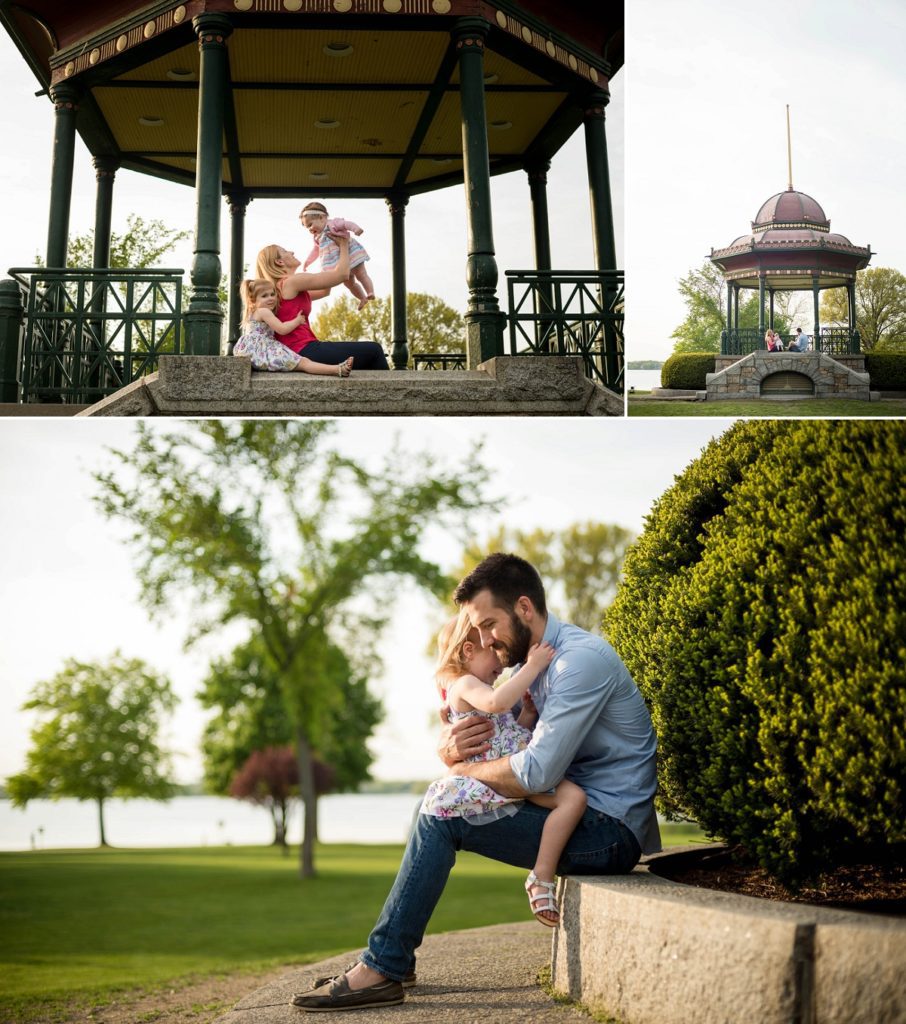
(515, 651)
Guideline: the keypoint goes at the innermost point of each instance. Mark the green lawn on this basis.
(87, 923)
(639, 405)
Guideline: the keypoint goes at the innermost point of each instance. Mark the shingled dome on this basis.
(790, 210)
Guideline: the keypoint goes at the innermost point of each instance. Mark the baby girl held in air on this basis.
(325, 229)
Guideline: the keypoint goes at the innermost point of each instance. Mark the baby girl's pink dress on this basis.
(327, 250)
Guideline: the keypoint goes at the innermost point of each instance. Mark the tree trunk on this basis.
(278, 817)
(100, 800)
(310, 805)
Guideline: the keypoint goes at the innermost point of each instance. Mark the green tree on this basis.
(99, 736)
(143, 244)
(265, 525)
(432, 325)
(880, 309)
(763, 615)
(245, 689)
(704, 292)
(580, 565)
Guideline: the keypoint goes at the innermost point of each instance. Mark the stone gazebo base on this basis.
(787, 375)
(226, 386)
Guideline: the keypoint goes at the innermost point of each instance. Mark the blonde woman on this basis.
(296, 291)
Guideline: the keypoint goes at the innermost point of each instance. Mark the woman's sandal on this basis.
(343, 370)
(547, 900)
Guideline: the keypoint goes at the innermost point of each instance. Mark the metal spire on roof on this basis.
(789, 147)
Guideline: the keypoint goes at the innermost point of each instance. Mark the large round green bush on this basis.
(763, 614)
(686, 371)
(887, 370)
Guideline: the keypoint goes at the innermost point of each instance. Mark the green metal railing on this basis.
(439, 361)
(570, 312)
(832, 341)
(87, 333)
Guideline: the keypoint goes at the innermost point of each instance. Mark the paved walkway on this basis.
(480, 976)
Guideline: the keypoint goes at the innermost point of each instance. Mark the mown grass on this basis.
(85, 924)
(815, 407)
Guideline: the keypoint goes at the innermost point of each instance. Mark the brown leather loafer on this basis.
(339, 996)
(408, 982)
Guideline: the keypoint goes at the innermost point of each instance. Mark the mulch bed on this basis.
(868, 888)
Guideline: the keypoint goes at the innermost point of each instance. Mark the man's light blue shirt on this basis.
(594, 729)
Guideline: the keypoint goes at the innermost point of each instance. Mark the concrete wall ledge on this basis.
(646, 950)
(226, 386)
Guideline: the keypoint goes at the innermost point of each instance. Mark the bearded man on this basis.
(593, 729)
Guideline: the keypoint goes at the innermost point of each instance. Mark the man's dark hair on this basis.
(507, 577)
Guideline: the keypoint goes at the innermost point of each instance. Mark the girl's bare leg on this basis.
(567, 804)
(364, 279)
(357, 290)
(325, 369)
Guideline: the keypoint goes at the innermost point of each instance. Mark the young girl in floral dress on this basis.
(259, 327)
(465, 676)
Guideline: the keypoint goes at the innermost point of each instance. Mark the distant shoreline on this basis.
(644, 364)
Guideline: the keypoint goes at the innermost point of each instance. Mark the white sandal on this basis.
(547, 900)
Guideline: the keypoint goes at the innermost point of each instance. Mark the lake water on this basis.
(201, 821)
(643, 380)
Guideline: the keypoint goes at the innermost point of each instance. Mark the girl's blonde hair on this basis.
(266, 266)
(250, 290)
(451, 663)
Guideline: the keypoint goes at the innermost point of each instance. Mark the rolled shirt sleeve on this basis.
(593, 729)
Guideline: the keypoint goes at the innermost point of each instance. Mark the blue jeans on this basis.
(600, 845)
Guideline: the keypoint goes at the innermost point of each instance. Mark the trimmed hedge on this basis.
(686, 371)
(763, 615)
(886, 370)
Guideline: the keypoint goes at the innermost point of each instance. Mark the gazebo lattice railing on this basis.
(832, 341)
(570, 312)
(87, 333)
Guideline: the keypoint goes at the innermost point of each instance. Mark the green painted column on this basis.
(816, 301)
(399, 353)
(484, 321)
(238, 203)
(65, 100)
(204, 318)
(105, 171)
(599, 182)
(537, 178)
(11, 313)
(761, 324)
(729, 307)
(771, 308)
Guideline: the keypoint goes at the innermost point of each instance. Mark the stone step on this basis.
(478, 976)
(227, 386)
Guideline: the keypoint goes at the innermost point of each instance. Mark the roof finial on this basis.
(789, 147)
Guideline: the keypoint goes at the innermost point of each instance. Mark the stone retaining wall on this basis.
(647, 950)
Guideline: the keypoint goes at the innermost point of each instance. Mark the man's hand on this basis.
(464, 739)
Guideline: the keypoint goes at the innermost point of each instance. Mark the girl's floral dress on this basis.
(457, 796)
(261, 345)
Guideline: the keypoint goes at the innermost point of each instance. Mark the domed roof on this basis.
(792, 210)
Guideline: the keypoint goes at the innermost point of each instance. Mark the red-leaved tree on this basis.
(270, 778)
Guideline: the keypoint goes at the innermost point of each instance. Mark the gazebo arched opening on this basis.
(246, 99)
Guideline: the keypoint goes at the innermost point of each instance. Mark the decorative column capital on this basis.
(595, 105)
(212, 29)
(537, 172)
(65, 96)
(397, 203)
(470, 33)
(238, 203)
(105, 166)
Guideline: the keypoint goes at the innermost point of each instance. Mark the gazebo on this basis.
(790, 248)
(249, 99)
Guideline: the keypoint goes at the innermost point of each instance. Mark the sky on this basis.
(706, 92)
(437, 217)
(69, 588)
